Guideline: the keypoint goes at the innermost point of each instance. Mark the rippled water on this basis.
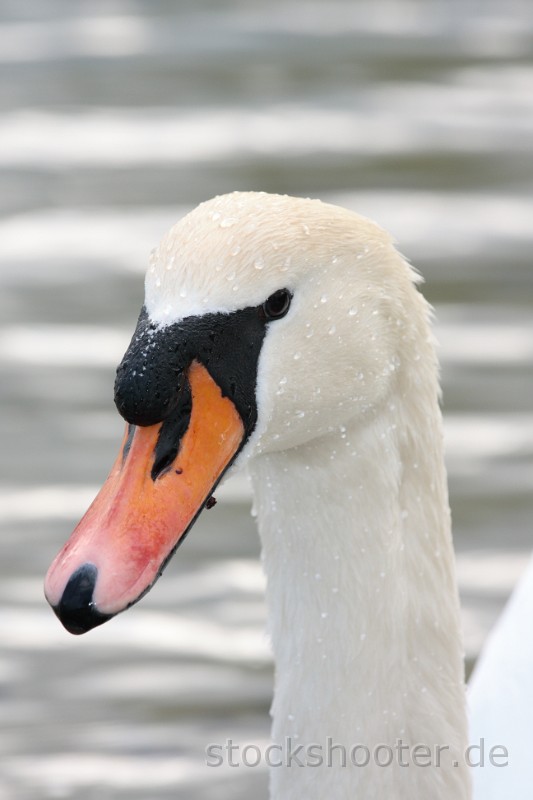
(116, 118)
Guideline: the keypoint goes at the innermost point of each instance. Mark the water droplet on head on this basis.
(228, 222)
(297, 356)
(259, 263)
(352, 312)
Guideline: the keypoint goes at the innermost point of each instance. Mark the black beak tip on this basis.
(76, 610)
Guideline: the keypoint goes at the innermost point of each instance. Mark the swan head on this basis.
(331, 356)
(268, 321)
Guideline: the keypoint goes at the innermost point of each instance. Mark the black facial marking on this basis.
(151, 384)
(172, 432)
(150, 377)
(127, 444)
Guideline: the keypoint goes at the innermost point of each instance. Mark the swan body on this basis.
(345, 456)
(499, 700)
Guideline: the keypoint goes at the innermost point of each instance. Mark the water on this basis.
(115, 120)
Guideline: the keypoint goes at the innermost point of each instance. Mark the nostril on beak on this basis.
(76, 609)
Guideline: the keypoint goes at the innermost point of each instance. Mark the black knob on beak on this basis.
(76, 609)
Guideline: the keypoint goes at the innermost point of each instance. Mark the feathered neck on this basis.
(363, 607)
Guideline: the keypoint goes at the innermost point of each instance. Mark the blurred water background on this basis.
(115, 119)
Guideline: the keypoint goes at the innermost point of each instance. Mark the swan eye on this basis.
(277, 304)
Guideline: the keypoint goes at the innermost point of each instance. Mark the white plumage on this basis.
(499, 700)
(350, 488)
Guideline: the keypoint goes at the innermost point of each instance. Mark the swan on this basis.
(289, 336)
(499, 700)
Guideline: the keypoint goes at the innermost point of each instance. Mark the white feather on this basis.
(350, 488)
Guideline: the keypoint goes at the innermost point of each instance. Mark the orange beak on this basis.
(125, 539)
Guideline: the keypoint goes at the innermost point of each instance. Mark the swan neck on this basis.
(363, 607)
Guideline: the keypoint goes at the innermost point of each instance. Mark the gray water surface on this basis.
(115, 119)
